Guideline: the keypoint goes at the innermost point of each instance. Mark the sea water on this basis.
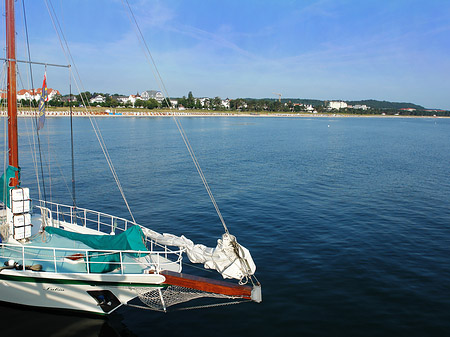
(347, 219)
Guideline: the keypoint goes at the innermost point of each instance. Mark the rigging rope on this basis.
(163, 89)
(79, 83)
(5, 126)
(71, 145)
(147, 52)
(33, 149)
(200, 172)
(35, 119)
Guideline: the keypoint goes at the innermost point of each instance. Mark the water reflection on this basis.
(22, 321)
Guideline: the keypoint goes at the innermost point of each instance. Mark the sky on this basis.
(394, 50)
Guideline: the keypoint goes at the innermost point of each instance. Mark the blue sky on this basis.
(396, 50)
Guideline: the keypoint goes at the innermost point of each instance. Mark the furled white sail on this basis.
(229, 258)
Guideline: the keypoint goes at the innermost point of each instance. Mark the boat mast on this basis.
(12, 90)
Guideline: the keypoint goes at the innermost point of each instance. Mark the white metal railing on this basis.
(158, 257)
(56, 214)
(59, 215)
(60, 260)
(87, 218)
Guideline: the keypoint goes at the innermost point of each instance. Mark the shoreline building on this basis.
(36, 94)
(337, 105)
(157, 95)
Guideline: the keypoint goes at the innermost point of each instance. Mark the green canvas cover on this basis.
(4, 184)
(103, 262)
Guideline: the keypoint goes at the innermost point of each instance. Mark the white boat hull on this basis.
(94, 293)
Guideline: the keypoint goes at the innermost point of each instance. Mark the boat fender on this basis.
(10, 264)
(34, 267)
(256, 294)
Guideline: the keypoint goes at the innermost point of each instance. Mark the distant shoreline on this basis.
(126, 114)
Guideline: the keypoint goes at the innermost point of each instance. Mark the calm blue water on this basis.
(347, 219)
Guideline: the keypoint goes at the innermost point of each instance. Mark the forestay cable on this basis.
(163, 89)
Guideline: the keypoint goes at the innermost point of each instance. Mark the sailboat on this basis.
(65, 257)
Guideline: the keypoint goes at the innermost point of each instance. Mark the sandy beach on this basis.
(168, 113)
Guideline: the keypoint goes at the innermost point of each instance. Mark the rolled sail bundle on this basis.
(229, 258)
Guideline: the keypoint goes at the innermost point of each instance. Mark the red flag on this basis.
(43, 99)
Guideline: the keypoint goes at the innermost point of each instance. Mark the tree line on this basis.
(243, 105)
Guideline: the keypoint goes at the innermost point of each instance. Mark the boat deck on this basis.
(76, 257)
(61, 254)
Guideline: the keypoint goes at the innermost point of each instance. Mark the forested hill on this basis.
(386, 105)
(374, 104)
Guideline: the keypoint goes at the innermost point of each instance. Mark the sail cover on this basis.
(103, 262)
(4, 184)
(229, 258)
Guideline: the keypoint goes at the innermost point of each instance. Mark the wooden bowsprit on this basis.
(207, 285)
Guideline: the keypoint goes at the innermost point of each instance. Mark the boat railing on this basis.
(90, 261)
(95, 220)
(55, 214)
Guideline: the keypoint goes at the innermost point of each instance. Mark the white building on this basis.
(98, 99)
(204, 101)
(36, 95)
(120, 98)
(226, 103)
(305, 107)
(133, 98)
(337, 105)
(158, 95)
(309, 108)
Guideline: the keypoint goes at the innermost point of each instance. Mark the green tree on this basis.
(320, 108)
(139, 103)
(109, 101)
(217, 103)
(182, 101)
(56, 101)
(84, 97)
(299, 108)
(151, 103)
(237, 104)
(166, 103)
(190, 103)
